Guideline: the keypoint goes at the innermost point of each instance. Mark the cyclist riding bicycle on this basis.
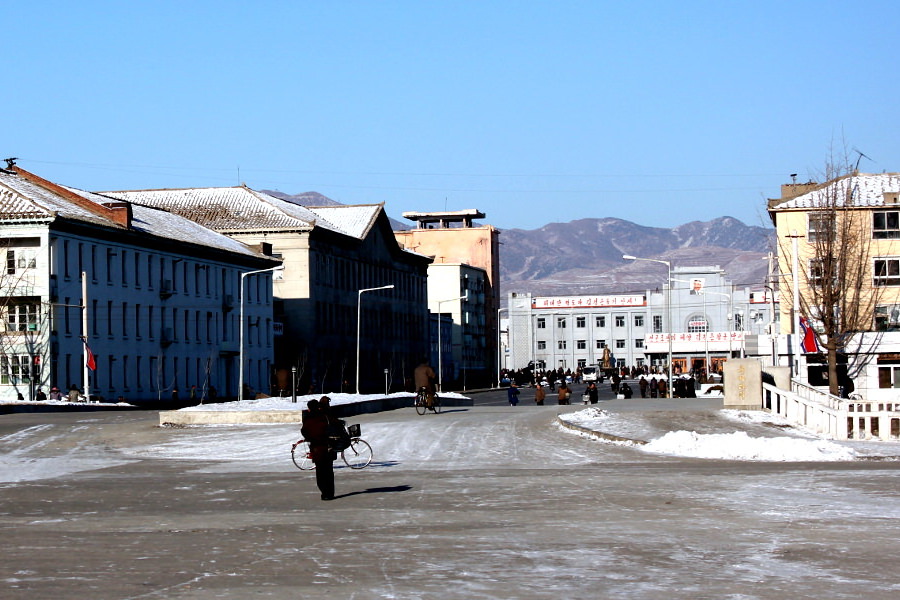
(424, 378)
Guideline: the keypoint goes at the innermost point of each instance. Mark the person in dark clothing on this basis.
(592, 393)
(626, 391)
(315, 431)
(512, 394)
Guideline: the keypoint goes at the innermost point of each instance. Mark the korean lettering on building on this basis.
(624, 301)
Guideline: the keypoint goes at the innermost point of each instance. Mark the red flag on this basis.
(809, 344)
(90, 361)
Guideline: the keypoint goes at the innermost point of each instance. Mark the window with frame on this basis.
(819, 225)
(620, 320)
(600, 321)
(886, 271)
(22, 316)
(581, 344)
(816, 272)
(580, 322)
(638, 320)
(889, 376)
(561, 322)
(541, 323)
(887, 317)
(657, 323)
(17, 368)
(639, 343)
(561, 344)
(697, 323)
(601, 344)
(541, 345)
(620, 343)
(886, 225)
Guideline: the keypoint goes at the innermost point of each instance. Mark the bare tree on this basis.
(837, 293)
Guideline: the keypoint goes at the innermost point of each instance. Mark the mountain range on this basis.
(584, 256)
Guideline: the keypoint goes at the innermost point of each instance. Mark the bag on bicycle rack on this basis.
(354, 430)
(338, 436)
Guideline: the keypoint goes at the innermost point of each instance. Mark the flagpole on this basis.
(84, 331)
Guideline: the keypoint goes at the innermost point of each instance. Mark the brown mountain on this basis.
(585, 256)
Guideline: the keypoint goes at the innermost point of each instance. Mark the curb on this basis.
(597, 434)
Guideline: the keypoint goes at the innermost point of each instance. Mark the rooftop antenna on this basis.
(859, 158)
(10, 163)
(793, 178)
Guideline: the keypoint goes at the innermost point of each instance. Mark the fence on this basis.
(833, 417)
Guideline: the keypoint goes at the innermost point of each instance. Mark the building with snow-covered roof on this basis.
(156, 305)
(331, 254)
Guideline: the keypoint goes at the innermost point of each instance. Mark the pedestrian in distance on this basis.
(642, 384)
(539, 395)
(626, 391)
(592, 392)
(39, 395)
(654, 387)
(315, 431)
(74, 394)
(55, 394)
(563, 394)
(512, 393)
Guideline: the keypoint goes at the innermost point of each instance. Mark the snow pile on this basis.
(285, 403)
(740, 446)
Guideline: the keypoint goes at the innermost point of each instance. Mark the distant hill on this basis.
(585, 256)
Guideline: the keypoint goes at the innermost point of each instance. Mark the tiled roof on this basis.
(866, 190)
(241, 209)
(22, 200)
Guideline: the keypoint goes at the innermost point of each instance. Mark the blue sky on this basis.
(534, 112)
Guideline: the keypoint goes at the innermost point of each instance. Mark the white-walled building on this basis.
(162, 301)
(711, 320)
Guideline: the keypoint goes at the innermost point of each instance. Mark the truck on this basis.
(589, 374)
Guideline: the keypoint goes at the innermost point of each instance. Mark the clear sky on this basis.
(534, 112)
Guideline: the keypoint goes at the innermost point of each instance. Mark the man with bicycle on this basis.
(315, 429)
(424, 378)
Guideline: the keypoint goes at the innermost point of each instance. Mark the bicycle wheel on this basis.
(301, 456)
(358, 455)
(436, 402)
(420, 404)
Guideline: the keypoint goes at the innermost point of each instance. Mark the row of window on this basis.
(583, 344)
(600, 321)
(885, 225)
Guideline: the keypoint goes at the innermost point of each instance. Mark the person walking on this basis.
(642, 384)
(563, 394)
(315, 431)
(662, 387)
(593, 393)
(512, 393)
(539, 394)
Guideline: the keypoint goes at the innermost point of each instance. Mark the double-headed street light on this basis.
(241, 335)
(668, 306)
(359, 322)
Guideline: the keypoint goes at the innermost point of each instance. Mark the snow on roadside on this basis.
(276, 403)
(794, 446)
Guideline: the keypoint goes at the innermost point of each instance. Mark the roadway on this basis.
(483, 502)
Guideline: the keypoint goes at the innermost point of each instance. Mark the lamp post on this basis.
(499, 353)
(359, 322)
(241, 325)
(440, 344)
(668, 306)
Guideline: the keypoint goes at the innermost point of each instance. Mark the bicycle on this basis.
(357, 455)
(422, 402)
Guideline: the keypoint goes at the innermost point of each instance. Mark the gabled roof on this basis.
(243, 210)
(28, 198)
(865, 190)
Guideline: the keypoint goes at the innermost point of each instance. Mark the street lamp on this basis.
(359, 322)
(241, 336)
(440, 344)
(668, 306)
(499, 353)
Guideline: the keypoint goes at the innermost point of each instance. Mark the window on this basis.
(886, 225)
(697, 323)
(541, 345)
(657, 324)
(817, 272)
(17, 368)
(620, 320)
(581, 344)
(620, 343)
(601, 344)
(561, 322)
(21, 317)
(820, 225)
(887, 271)
(638, 320)
(580, 322)
(889, 376)
(541, 323)
(639, 343)
(600, 321)
(561, 344)
(887, 318)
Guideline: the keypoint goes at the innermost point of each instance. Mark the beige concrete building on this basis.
(326, 303)
(453, 238)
